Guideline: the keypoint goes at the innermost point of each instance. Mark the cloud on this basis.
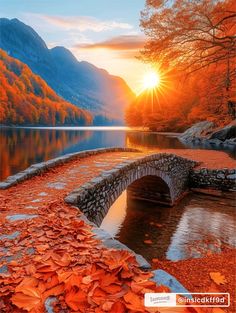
(84, 23)
(125, 42)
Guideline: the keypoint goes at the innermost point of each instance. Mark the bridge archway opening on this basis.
(150, 188)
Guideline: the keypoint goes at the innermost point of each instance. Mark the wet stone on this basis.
(30, 251)
(3, 269)
(56, 185)
(10, 236)
(232, 176)
(31, 207)
(18, 217)
(36, 200)
(43, 194)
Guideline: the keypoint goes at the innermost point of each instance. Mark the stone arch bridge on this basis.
(161, 178)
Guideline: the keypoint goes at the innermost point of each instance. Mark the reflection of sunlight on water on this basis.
(197, 224)
(83, 128)
(116, 215)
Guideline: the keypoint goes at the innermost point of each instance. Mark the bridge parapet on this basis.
(223, 179)
(96, 197)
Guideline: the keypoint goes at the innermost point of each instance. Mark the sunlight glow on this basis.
(151, 80)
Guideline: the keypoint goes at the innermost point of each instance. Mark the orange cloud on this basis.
(125, 42)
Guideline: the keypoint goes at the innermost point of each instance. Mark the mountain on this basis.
(81, 83)
(26, 99)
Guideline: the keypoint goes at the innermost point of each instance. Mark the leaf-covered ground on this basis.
(51, 256)
(212, 273)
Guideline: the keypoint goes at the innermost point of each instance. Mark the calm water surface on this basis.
(197, 225)
(21, 147)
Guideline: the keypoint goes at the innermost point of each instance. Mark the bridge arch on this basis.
(96, 197)
(151, 188)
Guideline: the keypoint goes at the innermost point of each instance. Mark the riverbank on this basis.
(208, 133)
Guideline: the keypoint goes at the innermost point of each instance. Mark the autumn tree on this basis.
(25, 99)
(193, 35)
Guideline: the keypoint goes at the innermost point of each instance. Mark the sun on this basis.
(151, 80)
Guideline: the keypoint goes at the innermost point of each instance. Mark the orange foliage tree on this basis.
(197, 39)
(26, 99)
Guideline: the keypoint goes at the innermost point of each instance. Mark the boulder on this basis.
(198, 130)
(231, 141)
(228, 132)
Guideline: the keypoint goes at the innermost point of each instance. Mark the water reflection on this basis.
(192, 228)
(147, 141)
(157, 141)
(115, 217)
(21, 147)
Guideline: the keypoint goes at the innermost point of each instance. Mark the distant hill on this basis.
(81, 83)
(26, 99)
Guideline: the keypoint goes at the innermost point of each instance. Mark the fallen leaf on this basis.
(118, 307)
(134, 302)
(27, 302)
(77, 301)
(217, 310)
(218, 278)
(54, 291)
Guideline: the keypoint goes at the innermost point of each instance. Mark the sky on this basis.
(105, 33)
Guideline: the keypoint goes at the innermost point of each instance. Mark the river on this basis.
(20, 147)
(193, 228)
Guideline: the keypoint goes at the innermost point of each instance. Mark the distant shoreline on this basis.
(108, 128)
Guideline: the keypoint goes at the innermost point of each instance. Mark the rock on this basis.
(162, 278)
(232, 176)
(4, 185)
(231, 141)
(221, 176)
(49, 304)
(227, 132)
(3, 269)
(17, 217)
(101, 233)
(12, 236)
(198, 130)
(56, 185)
(215, 141)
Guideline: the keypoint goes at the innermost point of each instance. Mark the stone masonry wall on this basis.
(223, 179)
(96, 197)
